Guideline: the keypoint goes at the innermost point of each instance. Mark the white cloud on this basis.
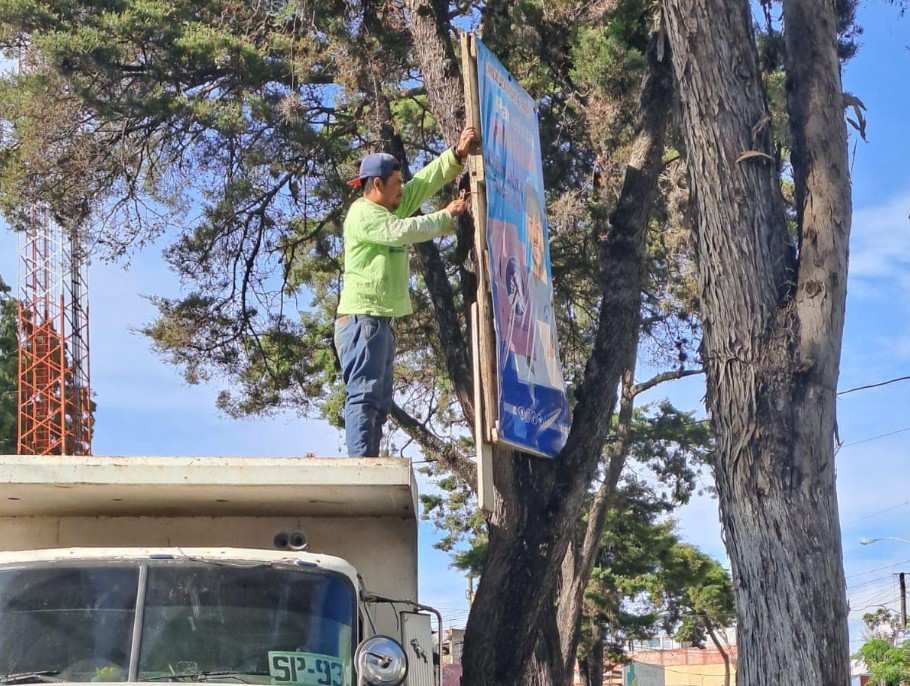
(880, 245)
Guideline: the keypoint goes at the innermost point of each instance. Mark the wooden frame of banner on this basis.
(483, 335)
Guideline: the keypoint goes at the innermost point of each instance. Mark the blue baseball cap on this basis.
(377, 164)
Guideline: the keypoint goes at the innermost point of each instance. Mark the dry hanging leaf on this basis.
(753, 153)
(859, 124)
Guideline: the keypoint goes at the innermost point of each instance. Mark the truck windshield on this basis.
(261, 623)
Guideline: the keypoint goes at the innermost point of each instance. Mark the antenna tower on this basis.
(55, 416)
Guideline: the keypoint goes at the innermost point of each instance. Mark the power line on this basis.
(876, 569)
(877, 513)
(877, 583)
(875, 438)
(877, 580)
(874, 385)
(881, 601)
(873, 595)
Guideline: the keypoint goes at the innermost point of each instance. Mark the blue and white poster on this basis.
(533, 408)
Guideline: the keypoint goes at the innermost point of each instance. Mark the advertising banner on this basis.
(640, 674)
(533, 408)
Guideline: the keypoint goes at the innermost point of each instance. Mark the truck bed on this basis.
(361, 510)
(206, 486)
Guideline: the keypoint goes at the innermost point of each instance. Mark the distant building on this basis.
(656, 662)
(663, 661)
(451, 675)
(452, 647)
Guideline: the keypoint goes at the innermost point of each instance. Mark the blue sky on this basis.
(145, 408)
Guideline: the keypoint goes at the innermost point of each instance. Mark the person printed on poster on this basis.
(542, 366)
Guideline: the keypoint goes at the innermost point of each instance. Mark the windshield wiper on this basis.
(206, 676)
(29, 677)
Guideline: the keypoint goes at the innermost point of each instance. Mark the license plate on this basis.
(307, 669)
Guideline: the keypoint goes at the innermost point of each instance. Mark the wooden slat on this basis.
(484, 337)
(489, 377)
(484, 448)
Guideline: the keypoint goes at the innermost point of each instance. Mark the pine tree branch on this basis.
(434, 448)
(658, 379)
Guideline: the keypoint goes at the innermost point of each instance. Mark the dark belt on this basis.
(390, 320)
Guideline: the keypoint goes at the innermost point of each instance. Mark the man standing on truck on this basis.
(377, 231)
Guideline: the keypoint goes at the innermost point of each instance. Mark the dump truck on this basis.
(285, 571)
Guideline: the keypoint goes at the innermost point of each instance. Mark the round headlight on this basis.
(380, 661)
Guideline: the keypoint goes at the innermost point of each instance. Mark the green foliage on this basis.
(9, 372)
(647, 580)
(227, 125)
(667, 447)
(226, 128)
(673, 445)
(888, 665)
(632, 546)
(698, 595)
(882, 622)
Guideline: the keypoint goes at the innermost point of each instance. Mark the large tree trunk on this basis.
(537, 503)
(633, 209)
(429, 27)
(772, 327)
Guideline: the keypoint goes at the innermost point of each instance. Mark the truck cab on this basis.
(296, 571)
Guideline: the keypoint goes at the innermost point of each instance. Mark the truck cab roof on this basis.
(359, 510)
(238, 556)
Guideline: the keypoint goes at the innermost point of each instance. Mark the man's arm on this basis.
(377, 225)
(427, 182)
(439, 172)
(372, 223)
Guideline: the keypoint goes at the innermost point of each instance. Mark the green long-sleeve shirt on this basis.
(376, 271)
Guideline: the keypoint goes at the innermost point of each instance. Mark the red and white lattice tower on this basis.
(55, 415)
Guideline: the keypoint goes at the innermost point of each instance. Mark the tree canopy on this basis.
(227, 127)
(9, 372)
(887, 660)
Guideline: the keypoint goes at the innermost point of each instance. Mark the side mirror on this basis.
(380, 661)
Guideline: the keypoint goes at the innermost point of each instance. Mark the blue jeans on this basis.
(366, 348)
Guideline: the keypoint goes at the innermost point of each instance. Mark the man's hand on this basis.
(466, 142)
(459, 205)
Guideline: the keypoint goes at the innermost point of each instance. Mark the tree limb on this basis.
(434, 448)
(658, 379)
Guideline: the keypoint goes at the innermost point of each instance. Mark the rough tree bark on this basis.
(537, 503)
(772, 326)
(428, 24)
(434, 52)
